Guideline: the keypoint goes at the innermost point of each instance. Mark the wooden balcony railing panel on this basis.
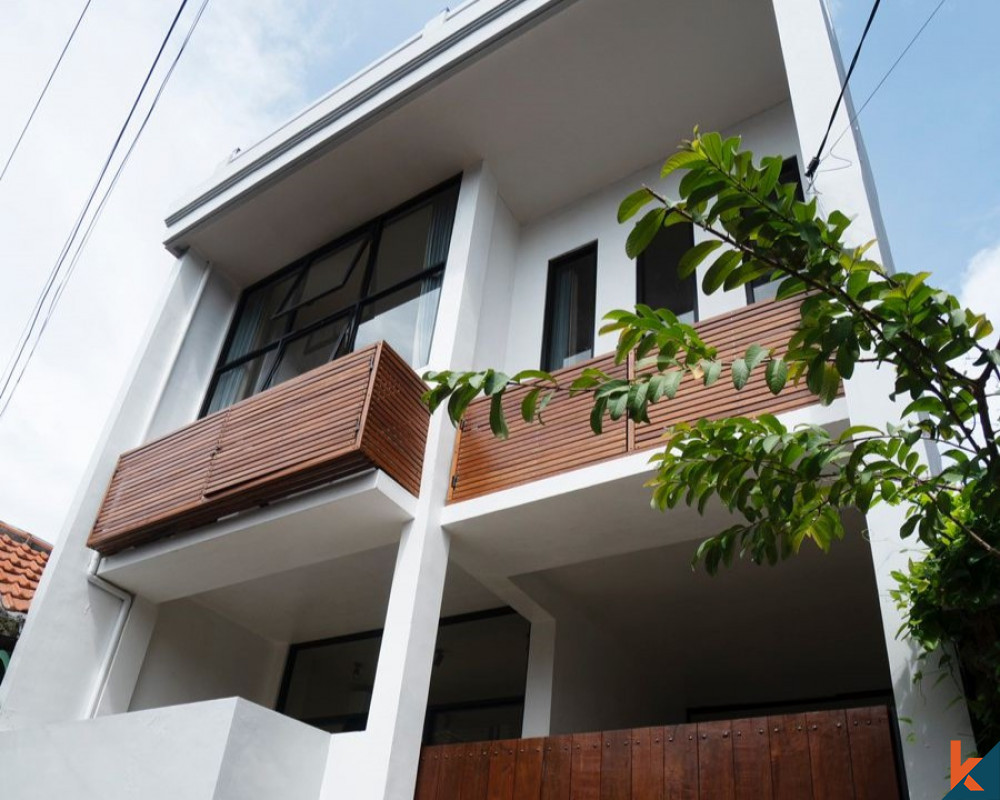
(769, 324)
(483, 464)
(843, 754)
(355, 413)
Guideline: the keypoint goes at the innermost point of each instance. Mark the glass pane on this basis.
(474, 724)
(239, 382)
(332, 283)
(659, 284)
(404, 319)
(257, 325)
(313, 349)
(570, 309)
(331, 685)
(415, 241)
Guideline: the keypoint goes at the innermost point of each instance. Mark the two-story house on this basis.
(283, 578)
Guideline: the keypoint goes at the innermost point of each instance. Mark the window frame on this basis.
(370, 230)
(554, 264)
(640, 282)
(786, 167)
(356, 717)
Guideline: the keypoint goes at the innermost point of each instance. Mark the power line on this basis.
(44, 91)
(19, 362)
(885, 77)
(811, 170)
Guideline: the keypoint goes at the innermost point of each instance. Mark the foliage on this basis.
(790, 486)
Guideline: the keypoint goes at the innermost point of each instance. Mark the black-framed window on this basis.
(570, 303)
(763, 288)
(477, 682)
(658, 284)
(382, 281)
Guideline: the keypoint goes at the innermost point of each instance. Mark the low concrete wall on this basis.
(218, 750)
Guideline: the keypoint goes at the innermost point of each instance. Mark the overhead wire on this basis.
(45, 89)
(18, 363)
(885, 77)
(814, 163)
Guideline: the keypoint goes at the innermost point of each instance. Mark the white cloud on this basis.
(981, 284)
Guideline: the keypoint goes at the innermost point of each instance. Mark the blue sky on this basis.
(930, 133)
(932, 129)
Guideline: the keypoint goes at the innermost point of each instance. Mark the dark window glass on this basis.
(569, 309)
(659, 285)
(763, 288)
(380, 282)
(477, 682)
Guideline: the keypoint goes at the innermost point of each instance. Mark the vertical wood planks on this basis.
(752, 759)
(585, 780)
(872, 759)
(715, 760)
(791, 775)
(680, 762)
(830, 755)
(503, 760)
(616, 765)
(647, 764)
(826, 755)
(556, 769)
(528, 772)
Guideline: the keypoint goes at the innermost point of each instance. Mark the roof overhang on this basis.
(559, 97)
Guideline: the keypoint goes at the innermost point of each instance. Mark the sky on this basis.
(930, 133)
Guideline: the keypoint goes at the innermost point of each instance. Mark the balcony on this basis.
(833, 753)
(355, 414)
(482, 464)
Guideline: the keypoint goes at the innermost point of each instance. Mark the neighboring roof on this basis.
(22, 559)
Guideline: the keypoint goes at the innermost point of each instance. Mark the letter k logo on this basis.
(960, 769)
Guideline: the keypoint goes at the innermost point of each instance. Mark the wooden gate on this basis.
(821, 755)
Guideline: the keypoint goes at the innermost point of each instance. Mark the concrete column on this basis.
(56, 667)
(387, 767)
(814, 78)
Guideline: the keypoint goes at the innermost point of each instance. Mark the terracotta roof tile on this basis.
(22, 559)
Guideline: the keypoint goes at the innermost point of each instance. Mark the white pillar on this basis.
(55, 669)
(402, 680)
(814, 78)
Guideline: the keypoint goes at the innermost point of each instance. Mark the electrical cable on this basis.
(9, 382)
(45, 89)
(814, 163)
(885, 77)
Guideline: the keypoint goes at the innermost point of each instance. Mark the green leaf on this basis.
(597, 414)
(494, 383)
(630, 205)
(716, 274)
(692, 258)
(680, 159)
(776, 375)
(741, 373)
(498, 424)
(533, 375)
(711, 369)
(755, 355)
(528, 405)
(644, 232)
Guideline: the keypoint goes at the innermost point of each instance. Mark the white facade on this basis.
(551, 111)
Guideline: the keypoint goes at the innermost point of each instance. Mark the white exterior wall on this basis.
(594, 218)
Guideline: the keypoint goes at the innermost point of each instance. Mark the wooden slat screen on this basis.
(846, 755)
(483, 464)
(355, 413)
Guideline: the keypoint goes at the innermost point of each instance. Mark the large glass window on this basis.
(763, 288)
(569, 309)
(477, 681)
(380, 282)
(657, 281)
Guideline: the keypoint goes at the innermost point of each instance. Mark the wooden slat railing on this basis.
(355, 413)
(843, 754)
(483, 464)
